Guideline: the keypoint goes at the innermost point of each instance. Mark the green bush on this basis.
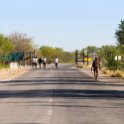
(4, 66)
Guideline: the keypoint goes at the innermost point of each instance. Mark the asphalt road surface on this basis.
(60, 96)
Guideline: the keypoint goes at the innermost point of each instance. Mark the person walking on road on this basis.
(34, 62)
(95, 67)
(44, 62)
(56, 62)
(40, 61)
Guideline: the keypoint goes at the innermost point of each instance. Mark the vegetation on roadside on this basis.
(50, 53)
(20, 42)
(5, 66)
(117, 73)
(111, 56)
(6, 45)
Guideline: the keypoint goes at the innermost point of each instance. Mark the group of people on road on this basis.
(39, 61)
(42, 61)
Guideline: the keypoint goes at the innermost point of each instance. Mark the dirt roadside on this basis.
(9, 74)
(102, 77)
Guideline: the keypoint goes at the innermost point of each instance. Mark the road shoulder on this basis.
(10, 74)
(102, 77)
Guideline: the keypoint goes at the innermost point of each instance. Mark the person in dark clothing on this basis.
(95, 67)
(40, 61)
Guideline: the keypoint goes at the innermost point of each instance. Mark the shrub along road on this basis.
(60, 96)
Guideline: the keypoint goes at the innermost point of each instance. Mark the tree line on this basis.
(20, 42)
(17, 42)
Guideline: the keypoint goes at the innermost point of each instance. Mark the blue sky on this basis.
(69, 24)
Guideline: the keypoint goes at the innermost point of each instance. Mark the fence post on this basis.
(76, 57)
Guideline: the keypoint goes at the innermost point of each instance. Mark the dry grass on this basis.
(81, 65)
(9, 74)
(117, 73)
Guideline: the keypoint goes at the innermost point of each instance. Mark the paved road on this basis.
(62, 96)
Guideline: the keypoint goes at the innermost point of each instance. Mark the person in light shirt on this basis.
(34, 62)
(44, 62)
(56, 62)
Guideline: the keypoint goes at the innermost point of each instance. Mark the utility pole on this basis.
(83, 56)
(87, 59)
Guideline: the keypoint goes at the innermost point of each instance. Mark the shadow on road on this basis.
(62, 78)
(60, 81)
(23, 123)
(65, 93)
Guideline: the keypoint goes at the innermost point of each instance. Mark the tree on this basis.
(68, 57)
(50, 53)
(90, 49)
(107, 54)
(47, 51)
(119, 34)
(120, 50)
(6, 46)
(21, 42)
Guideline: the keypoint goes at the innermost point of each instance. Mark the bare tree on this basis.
(21, 41)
